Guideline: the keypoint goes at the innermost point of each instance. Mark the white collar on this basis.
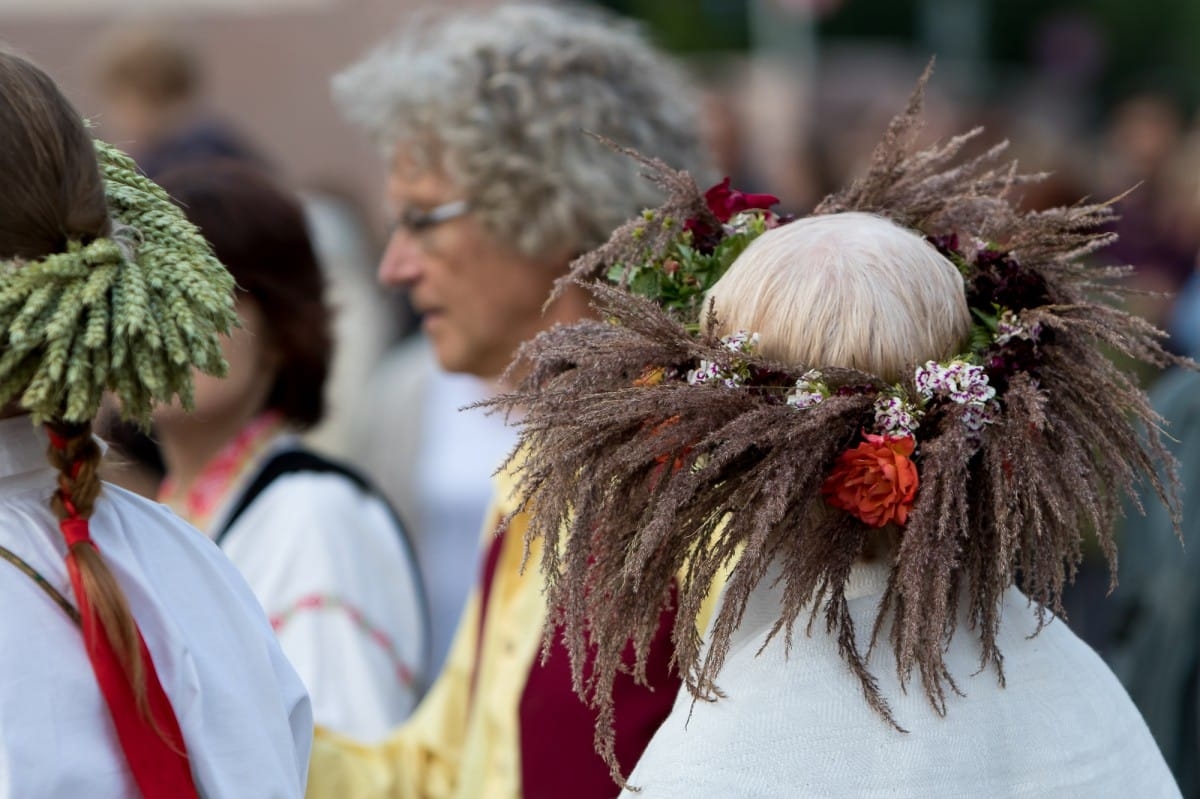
(22, 447)
(868, 578)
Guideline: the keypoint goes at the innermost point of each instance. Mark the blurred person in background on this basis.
(135, 660)
(325, 555)
(1156, 643)
(433, 461)
(1158, 227)
(152, 85)
(494, 188)
(367, 321)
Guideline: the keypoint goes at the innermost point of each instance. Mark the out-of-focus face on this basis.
(132, 121)
(241, 394)
(479, 298)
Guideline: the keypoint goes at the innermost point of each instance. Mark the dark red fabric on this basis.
(487, 576)
(154, 749)
(558, 757)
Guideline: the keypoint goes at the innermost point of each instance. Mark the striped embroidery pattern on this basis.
(317, 602)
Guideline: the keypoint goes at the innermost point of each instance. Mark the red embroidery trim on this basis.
(314, 602)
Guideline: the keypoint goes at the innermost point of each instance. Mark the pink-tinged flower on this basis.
(724, 201)
(876, 481)
(895, 417)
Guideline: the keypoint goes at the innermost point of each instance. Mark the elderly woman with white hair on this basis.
(889, 424)
(494, 187)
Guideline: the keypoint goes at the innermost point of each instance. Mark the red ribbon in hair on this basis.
(153, 746)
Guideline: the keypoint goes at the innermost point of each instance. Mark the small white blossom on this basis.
(710, 372)
(1009, 327)
(977, 417)
(706, 372)
(959, 381)
(895, 417)
(804, 399)
(810, 390)
(740, 222)
(962, 383)
(741, 341)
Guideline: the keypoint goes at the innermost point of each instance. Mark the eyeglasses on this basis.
(418, 220)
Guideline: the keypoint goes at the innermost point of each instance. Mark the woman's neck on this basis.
(189, 444)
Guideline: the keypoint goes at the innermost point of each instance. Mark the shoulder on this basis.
(323, 496)
(322, 519)
(128, 526)
(147, 526)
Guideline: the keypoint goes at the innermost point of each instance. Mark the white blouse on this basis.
(244, 715)
(796, 724)
(330, 567)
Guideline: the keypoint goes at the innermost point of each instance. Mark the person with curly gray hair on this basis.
(495, 186)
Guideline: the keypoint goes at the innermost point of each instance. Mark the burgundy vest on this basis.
(557, 729)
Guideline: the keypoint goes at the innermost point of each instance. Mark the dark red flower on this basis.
(724, 202)
(875, 481)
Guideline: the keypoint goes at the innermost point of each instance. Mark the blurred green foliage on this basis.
(1149, 44)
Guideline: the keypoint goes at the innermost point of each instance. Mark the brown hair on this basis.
(53, 193)
(259, 233)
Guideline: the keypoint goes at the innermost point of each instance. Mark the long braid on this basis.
(105, 288)
(76, 456)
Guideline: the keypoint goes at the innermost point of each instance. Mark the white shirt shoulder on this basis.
(797, 723)
(332, 569)
(244, 714)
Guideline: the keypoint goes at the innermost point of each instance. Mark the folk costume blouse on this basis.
(244, 714)
(797, 724)
(329, 563)
(499, 723)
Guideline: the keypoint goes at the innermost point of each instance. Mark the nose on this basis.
(403, 261)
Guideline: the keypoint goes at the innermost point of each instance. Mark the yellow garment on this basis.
(450, 749)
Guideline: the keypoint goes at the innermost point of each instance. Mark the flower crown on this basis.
(877, 480)
(660, 456)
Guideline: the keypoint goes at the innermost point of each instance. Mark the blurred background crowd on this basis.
(1102, 94)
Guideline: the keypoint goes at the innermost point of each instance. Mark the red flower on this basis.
(675, 459)
(876, 481)
(724, 202)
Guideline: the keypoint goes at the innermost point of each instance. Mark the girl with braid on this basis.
(135, 661)
(892, 421)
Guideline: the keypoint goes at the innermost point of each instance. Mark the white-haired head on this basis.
(851, 290)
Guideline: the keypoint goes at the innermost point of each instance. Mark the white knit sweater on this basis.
(798, 726)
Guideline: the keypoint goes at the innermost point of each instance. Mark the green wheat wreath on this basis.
(132, 312)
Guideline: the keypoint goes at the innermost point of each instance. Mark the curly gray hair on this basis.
(499, 101)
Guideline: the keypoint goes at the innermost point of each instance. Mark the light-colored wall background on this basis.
(268, 65)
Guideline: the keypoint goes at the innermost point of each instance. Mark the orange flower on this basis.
(676, 459)
(875, 481)
(652, 376)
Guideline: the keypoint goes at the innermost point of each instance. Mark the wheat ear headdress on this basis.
(132, 313)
